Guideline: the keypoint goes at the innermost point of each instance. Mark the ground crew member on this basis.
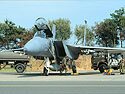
(122, 64)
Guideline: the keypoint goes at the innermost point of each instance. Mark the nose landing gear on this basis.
(45, 71)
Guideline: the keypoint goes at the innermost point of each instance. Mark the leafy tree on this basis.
(26, 37)
(6, 29)
(119, 18)
(122, 33)
(33, 29)
(106, 33)
(79, 32)
(9, 33)
(63, 30)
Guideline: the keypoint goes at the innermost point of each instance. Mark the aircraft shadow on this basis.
(56, 74)
(23, 75)
(41, 74)
(8, 73)
(89, 73)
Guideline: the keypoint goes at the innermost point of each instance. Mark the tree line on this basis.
(109, 33)
(112, 30)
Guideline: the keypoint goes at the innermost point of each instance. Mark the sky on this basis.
(25, 12)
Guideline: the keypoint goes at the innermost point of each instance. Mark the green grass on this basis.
(8, 70)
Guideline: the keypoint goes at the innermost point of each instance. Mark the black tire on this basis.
(74, 69)
(102, 67)
(20, 68)
(45, 72)
(115, 68)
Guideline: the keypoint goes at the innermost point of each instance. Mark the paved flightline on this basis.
(83, 76)
(88, 82)
(62, 87)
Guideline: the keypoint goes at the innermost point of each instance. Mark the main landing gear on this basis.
(45, 71)
(61, 66)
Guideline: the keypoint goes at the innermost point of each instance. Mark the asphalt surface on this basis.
(62, 87)
(87, 82)
(83, 76)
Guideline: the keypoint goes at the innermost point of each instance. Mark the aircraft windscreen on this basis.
(40, 34)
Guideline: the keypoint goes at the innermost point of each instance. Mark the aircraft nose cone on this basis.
(25, 49)
(31, 47)
(36, 46)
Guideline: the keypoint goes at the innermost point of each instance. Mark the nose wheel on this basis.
(45, 71)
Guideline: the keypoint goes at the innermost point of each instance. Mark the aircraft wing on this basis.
(97, 48)
(19, 49)
(75, 50)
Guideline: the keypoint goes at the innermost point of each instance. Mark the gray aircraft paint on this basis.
(38, 47)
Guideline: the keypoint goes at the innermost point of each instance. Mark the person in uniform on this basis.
(122, 64)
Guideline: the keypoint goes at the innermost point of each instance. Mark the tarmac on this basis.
(87, 82)
(55, 76)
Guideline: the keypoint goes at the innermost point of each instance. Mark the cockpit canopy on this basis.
(41, 25)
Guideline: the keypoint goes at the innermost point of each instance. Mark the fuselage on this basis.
(38, 46)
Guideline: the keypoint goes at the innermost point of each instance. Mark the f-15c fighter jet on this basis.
(56, 54)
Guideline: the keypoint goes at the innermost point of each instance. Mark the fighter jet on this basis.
(56, 54)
